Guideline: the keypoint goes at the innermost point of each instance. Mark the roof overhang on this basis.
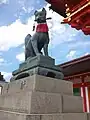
(58, 6)
(76, 66)
(75, 12)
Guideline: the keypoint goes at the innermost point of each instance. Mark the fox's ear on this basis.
(44, 10)
(35, 12)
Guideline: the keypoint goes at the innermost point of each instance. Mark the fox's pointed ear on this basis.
(35, 12)
(44, 10)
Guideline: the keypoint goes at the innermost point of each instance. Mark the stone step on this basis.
(66, 116)
(5, 115)
(41, 103)
(39, 83)
(88, 116)
(72, 104)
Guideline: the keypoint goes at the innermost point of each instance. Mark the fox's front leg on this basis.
(35, 47)
(45, 49)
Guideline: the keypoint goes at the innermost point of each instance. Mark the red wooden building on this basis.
(75, 12)
(78, 71)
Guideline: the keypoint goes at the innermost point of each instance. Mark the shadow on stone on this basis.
(23, 75)
(51, 74)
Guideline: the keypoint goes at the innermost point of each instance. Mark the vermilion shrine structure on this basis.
(78, 71)
(75, 12)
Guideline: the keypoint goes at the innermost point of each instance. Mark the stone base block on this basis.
(39, 83)
(66, 116)
(19, 102)
(17, 116)
(41, 103)
(46, 103)
(6, 115)
(32, 102)
(56, 103)
(88, 116)
(72, 104)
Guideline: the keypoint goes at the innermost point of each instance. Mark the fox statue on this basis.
(40, 40)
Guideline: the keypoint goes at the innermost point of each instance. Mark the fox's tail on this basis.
(27, 40)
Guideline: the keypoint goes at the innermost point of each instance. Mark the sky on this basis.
(16, 21)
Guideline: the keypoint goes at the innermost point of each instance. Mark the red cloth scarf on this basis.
(42, 27)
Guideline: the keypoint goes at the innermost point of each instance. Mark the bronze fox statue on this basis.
(40, 39)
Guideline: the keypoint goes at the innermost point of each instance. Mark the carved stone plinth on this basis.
(41, 65)
(40, 98)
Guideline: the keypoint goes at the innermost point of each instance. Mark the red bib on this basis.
(42, 28)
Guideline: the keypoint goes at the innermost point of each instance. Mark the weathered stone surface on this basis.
(72, 104)
(55, 103)
(41, 65)
(17, 116)
(74, 116)
(65, 116)
(43, 97)
(51, 117)
(88, 116)
(19, 102)
(40, 60)
(39, 83)
(46, 103)
(53, 85)
(32, 102)
(39, 71)
(41, 103)
(6, 115)
(10, 116)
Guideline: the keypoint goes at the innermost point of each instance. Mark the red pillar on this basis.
(84, 95)
(84, 99)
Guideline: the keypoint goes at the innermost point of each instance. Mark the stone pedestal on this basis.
(40, 65)
(40, 98)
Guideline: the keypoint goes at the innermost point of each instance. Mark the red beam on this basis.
(78, 75)
(75, 61)
(79, 85)
(83, 85)
(80, 14)
(79, 5)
